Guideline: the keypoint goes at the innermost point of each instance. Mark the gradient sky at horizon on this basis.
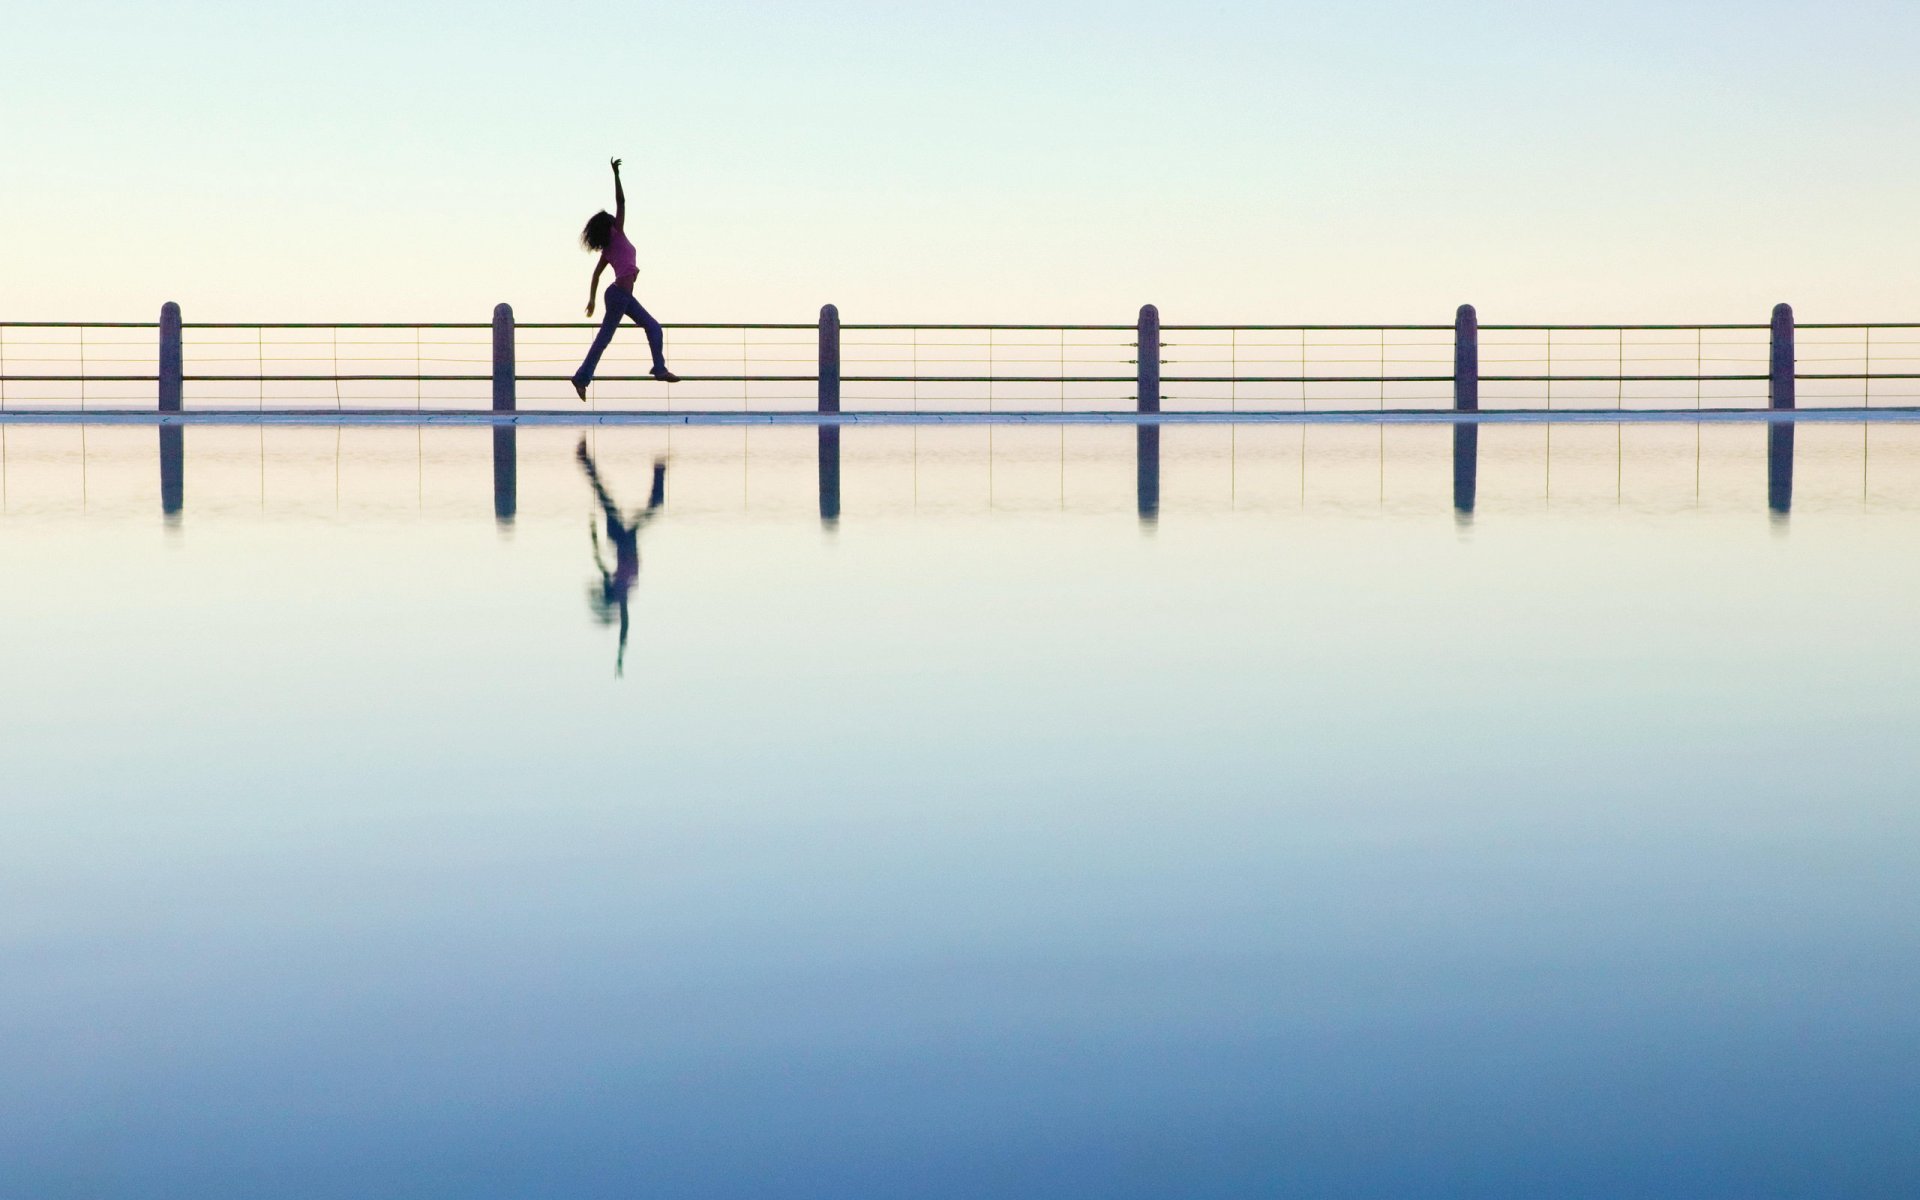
(987, 161)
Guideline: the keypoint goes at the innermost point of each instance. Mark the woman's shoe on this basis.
(664, 375)
(580, 389)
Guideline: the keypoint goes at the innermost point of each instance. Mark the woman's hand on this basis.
(589, 308)
(616, 165)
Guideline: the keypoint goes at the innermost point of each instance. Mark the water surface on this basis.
(1289, 810)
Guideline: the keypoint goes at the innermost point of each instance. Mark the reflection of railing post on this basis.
(172, 359)
(1146, 481)
(1780, 361)
(829, 359)
(503, 368)
(172, 471)
(1147, 373)
(1780, 467)
(829, 475)
(1466, 467)
(506, 474)
(1466, 360)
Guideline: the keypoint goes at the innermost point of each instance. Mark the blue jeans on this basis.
(620, 303)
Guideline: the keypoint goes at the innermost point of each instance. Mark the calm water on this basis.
(980, 812)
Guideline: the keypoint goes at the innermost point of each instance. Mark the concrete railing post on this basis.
(1147, 374)
(503, 366)
(172, 359)
(829, 359)
(1780, 360)
(1466, 360)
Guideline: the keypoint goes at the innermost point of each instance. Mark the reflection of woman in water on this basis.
(609, 596)
(607, 233)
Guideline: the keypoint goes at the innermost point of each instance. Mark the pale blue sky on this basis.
(1048, 161)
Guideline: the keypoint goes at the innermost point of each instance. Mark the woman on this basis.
(607, 234)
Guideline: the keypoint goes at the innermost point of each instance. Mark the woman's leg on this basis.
(656, 337)
(608, 323)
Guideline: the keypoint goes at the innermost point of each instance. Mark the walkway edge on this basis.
(565, 417)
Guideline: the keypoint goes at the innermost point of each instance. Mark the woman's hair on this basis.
(598, 232)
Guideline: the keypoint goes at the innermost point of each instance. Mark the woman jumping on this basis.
(607, 233)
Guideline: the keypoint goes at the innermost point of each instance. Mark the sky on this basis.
(1227, 161)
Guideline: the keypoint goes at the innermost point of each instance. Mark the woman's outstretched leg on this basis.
(656, 337)
(608, 323)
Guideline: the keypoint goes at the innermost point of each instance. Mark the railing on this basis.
(778, 366)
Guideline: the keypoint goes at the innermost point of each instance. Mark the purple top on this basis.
(621, 257)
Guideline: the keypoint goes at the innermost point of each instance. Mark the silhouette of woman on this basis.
(607, 233)
(610, 595)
